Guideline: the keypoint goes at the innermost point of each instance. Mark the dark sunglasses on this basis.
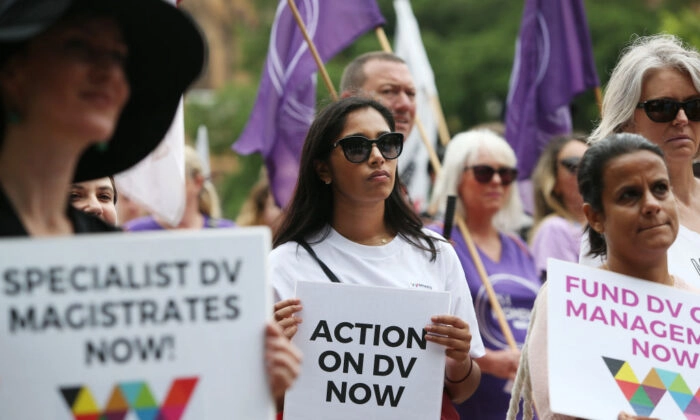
(571, 164)
(357, 148)
(665, 110)
(484, 174)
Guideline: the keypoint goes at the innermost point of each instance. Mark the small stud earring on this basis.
(328, 182)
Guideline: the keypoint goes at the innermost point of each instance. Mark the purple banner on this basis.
(553, 63)
(285, 106)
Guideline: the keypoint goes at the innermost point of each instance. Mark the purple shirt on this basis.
(149, 223)
(556, 237)
(515, 282)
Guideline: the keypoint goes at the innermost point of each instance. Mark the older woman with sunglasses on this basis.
(559, 219)
(348, 213)
(479, 168)
(654, 91)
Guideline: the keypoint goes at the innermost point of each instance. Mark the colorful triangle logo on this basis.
(654, 394)
(628, 388)
(133, 396)
(653, 380)
(85, 403)
(646, 396)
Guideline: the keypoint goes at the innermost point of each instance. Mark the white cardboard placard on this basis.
(127, 324)
(616, 343)
(364, 354)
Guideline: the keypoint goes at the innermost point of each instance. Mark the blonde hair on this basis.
(253, 209)
(209, 203)
(544, 179)
(463, 151)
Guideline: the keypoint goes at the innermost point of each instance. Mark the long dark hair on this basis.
(590, 175)
(311, 208)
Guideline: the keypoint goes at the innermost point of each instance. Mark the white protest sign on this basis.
(617, 343)
(155, 325)
(365, 355)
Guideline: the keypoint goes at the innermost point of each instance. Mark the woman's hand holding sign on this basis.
(284, 316)
(282, 361)
(462, 374)
(283, 358)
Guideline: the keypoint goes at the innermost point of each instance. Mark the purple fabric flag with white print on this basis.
(285, 106)
(553, 63)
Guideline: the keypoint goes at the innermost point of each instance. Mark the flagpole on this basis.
(497, 309)
(599, 99)
(383, 40)
(495, 305)
(314, 51)
(443, 132)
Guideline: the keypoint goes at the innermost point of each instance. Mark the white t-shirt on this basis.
(683, 256)
(396, 264)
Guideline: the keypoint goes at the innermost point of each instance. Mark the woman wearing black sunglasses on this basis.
(558, 220)
(479, 168)
(348, 209)
(654, 91)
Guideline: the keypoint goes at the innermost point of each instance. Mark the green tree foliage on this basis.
(470, 44)
(685, 23)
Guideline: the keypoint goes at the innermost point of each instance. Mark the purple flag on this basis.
(553, 63)
(285, 106)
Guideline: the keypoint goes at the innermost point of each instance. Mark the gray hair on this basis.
(463, 150)
(644, 55)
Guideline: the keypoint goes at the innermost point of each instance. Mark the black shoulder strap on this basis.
(324, 267)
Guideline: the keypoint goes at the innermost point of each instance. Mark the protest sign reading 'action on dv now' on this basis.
(365, 353)
(166, 325)
(616, 343)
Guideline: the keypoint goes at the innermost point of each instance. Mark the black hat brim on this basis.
(166, 55)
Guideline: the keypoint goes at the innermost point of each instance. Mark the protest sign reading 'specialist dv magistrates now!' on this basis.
(148, 325)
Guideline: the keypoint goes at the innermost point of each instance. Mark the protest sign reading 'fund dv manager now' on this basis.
(616, 343)
(154, 325)
(365, 355)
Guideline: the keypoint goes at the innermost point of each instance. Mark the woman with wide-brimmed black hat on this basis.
(87, 89)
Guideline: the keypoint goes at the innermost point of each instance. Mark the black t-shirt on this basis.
(10, 224)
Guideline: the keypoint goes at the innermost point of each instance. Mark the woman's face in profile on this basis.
(566, 186)
(71, 78)
(639, 217)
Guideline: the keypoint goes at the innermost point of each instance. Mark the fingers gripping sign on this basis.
(453, 333)
(282, 359)
(285, 317)
(462, 374)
